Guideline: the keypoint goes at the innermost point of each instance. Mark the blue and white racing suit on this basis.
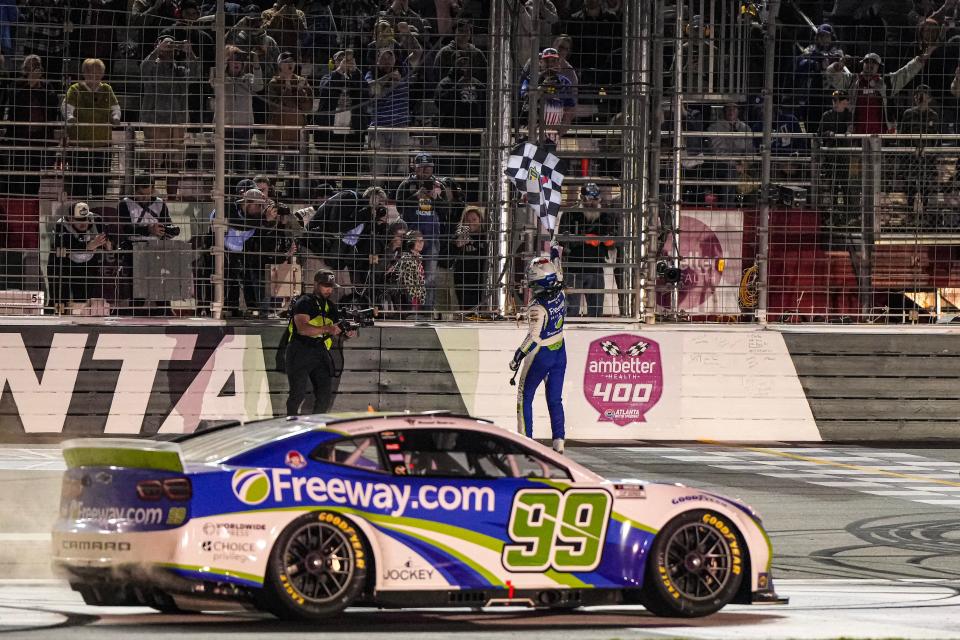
(544, 359)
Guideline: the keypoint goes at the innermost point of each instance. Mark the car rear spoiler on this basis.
(122, 452)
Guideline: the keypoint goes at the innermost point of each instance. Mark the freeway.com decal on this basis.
(254, 486)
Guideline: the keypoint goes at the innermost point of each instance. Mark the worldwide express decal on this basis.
(623, 377)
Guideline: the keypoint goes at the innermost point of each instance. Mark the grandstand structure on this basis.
(725, 160)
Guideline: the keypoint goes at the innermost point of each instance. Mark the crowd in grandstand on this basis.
(376, 115)
(328, 99)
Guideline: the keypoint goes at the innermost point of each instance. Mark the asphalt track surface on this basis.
(867, 544)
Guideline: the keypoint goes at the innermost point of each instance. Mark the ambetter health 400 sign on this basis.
(623, 377)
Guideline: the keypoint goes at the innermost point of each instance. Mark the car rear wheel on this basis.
(695, 566)
(317, 567)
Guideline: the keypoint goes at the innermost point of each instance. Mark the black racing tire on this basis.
(695, 566)
(317, 568)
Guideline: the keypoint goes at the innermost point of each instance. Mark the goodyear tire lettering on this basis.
(731, 538)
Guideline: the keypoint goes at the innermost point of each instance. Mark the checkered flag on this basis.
(610, 348)
(538, 174)
(637, 349)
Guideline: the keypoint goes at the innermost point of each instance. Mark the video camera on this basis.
(356, 319)
(171, 231)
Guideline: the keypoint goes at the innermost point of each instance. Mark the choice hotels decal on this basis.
(623, 377)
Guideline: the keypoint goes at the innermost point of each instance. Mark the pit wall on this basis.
(65, 380)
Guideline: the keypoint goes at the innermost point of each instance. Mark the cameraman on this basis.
(312, 330)
(147, 213)
(146, 221)
(340, 231)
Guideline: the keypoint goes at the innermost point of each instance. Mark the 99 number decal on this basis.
(557, 530)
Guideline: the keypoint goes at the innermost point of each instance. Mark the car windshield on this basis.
(223, 444)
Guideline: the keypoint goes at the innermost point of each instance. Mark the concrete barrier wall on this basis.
(64, 380)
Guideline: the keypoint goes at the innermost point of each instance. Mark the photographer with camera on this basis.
(314, 325)
(165, 74)
(340, 231)
(145, 222)
(243, 264)
(147, 213)
(558, 98)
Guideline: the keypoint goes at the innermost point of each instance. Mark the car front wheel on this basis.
(695, 566)
(317, 567)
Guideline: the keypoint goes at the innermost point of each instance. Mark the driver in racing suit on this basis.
(542, 352)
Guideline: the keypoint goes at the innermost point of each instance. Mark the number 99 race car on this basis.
(303, 517)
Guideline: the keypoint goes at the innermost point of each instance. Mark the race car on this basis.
(305, 516)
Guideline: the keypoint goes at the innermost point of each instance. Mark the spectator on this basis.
(189, 28)
(811, 63)
(921, 173)
(389, 86)
(407, 195)
(340, 230)
(933, 30)
(243, 79)
(383, 38)
(834, 165)
(461, 101)
(425, 208)
(870, 91)
(249, 35)
(469, 253)
(264, 184)
(727, 145)
(32, 105)
(96, 23)
(8, 22)
(564, 46)
(243, 265)
(558, 102)
(272, 244)
(591, 236)
(353, 18)
(164, 74)
(289, 101)
(399, 11)
(77, 253)
(148, 18)
(597, 33)
(144, 218)
(341, 94)
(407, 274)
(461, 45)
(144, 215)
(41, 31)
(90, 109)
(528, 24)
(286, 24)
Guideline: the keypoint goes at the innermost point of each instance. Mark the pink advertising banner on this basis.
(710, 260)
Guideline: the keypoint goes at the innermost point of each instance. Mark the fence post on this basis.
(219, 200)
(763, 219)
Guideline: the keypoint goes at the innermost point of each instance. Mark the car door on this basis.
(489, 512)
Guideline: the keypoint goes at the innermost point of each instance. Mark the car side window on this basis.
(464, 453)
(363, 453)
